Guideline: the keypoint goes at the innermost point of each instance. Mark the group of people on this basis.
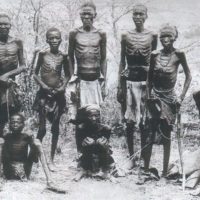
(146, 92)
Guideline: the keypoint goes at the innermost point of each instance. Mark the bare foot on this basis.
(79, 175)
(55, 188)
(52, 167)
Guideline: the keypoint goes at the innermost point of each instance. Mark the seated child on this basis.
(16, 159)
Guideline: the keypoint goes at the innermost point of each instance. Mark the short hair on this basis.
(52, 29)
(169, 29)
(6, 16)
(141, 6)
(20, 115)
(89, 4)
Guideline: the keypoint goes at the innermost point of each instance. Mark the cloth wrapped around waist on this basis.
(136, 74)
(162, 105)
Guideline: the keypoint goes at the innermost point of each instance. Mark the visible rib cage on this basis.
(87, 47)
(139, 45)
(165, 71)
(52, 63)
(8, 57)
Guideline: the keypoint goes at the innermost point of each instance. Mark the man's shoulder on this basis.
(101, 32)
(179, 52)
(150, 32)
(75, 31)
(18, 41)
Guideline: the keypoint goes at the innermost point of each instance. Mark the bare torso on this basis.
(165, 71)
(87, 53)
(51, 68)
(8, 56)
(138, 48)
(16, 148)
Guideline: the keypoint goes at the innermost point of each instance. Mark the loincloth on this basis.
(160, 116)
(166, 102)
(14, 170)
(86, 92)
(52, 106)
(135, 98)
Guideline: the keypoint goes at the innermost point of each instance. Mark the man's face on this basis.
(54, 39)
(4, 26)
(16, 124)
(139, 16)
(94, 117)
(87, 16)
(167, 40)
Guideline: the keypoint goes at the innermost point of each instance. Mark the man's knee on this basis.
(55, 128)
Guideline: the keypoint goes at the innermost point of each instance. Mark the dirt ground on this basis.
(90, 189)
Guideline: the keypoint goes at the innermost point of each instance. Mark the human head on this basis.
(90, 114)
(168, 34)
(88, 13)
(53, 38)
(139, 14)
(17, 123)
(5, 24)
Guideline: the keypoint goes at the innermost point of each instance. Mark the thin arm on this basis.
(122, 60)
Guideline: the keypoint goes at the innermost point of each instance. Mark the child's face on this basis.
(16, 124)
(54, 39)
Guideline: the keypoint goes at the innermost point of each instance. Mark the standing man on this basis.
(11, 56)
(50, 99)
(136, 47)
(88, 46)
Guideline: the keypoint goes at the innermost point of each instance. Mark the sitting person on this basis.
(93, 138)
(17, 162)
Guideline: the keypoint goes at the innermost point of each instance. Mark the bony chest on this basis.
(53, 61)
(9, 49)
(88, 39)
(139, 40)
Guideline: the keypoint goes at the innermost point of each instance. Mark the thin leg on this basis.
(166, 157)
(1, 148)
(54, 141)
(42, 126)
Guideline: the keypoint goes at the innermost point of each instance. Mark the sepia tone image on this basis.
(99, 99)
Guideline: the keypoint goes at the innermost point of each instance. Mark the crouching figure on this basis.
(93, 138)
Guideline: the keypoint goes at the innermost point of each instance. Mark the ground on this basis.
(90, 189)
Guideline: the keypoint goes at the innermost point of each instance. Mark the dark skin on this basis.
(49, 81)
(92, 65)
(16, 150)
(11, 56)
(142, 50)
(175, 58)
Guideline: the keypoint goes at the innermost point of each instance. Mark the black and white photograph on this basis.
(99, 99)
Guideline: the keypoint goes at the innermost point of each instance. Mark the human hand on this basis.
(102, 141)
(120, 96)
(88, 141)
(60, 89)
(178, 102)
(46, 88)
